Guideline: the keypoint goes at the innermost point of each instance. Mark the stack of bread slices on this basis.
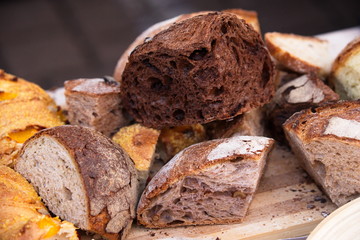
(181, 134)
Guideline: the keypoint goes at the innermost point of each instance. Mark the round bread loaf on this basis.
(209, 67)
(83, 177)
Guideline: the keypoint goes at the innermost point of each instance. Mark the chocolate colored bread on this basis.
(209, 67)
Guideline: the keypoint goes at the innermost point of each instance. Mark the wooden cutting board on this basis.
(287, 204)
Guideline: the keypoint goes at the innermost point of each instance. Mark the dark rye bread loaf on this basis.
(83, 177)
(209, 67)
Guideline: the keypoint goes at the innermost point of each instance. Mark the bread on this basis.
(247, 124)
(173, 140)
(173, 79)
(95, 103)
(211, 182)
(22, 214)
(83, 177)
(299, 53)
(249, 16)
(24, 109)
(295, 95)
(139, 143)
(345, 72)
(327, 141)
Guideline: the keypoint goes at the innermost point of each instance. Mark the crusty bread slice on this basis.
(299, 53)
(83, 177)
(327, 141)
(249, 16)
(345, 72)
(22, 214)
(211, 182)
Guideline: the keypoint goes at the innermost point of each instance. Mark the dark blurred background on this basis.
(49, 41)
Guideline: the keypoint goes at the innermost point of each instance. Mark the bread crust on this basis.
(287, 59)
(95, 156)
(189, 161)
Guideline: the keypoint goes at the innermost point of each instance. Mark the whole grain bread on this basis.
(345, 72)
(95, 103)
(83, 177)
(211, 182)
(295, 95)
(249, 16)
(327, 141)
(209, 67)
(298, 53)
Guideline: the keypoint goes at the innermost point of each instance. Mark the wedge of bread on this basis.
(211, 182)
(345, 72)
(22, 214)
(83, 177)
(327, 141)
(139, 143)
(299, 53)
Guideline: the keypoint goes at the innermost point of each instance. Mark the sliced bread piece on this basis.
(327, 141)
(95, 103)
(83, 177)
(299, 53)
(211, 182)
(139, 143)
(22, 214)
(295, 95)
(345, 72)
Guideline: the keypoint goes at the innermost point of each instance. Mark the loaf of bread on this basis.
(327, 141)
(95, 103)
(345, 72)
(208, 67)
(211, 182)
(139, 143)
(83, 177)
(174, 139)
(24, 109)
(22, 214)
(249, 16)
(247, 124)
(299, 53)
(295, 95)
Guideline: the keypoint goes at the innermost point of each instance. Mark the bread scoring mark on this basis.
(343, 128)
(239, 145)
(96, 86)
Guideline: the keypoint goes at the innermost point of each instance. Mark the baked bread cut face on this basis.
(211, 182)
(83, 177)
(327, 141)
(208, 67)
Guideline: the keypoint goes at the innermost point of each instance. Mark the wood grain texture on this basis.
(287, 204)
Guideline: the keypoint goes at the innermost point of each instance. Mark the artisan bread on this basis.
(299, 53)
(295, 95)
(345, 72)
(327, 141)
(24, 109)
(22, 214)
(211, 182)
(209, 67)
(83, 177)
(249, 16)
(95, 103)
(139, 143)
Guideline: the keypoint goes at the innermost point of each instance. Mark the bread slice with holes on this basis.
(327, 141)
(83, 177)
(210, 182)
(95, 103)
(301, 54)
(345, 72)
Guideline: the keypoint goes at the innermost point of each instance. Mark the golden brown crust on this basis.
(95, 156)
(190, 161)
(287, 59)
(311, 123)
